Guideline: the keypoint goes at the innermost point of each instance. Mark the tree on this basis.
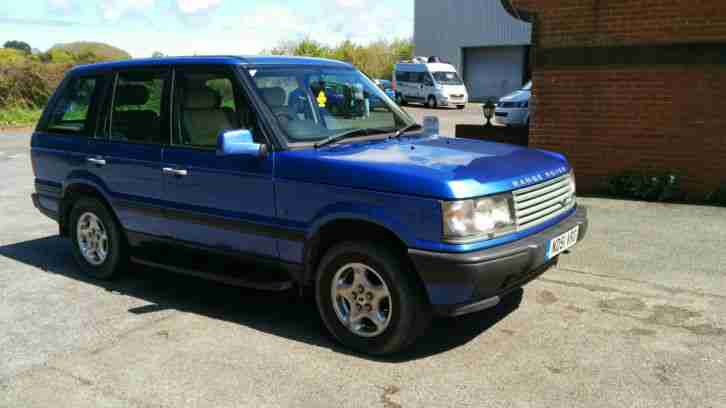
(157, 54)
(18, 45)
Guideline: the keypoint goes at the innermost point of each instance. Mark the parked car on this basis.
(203, 165)
(513, 109)
(387, 87)
(433, 84)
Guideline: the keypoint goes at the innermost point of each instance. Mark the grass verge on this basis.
(19, 117)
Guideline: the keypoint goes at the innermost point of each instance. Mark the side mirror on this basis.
(237, 143)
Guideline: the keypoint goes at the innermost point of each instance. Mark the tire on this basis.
(86, 210)
(409, 314)
(460, 107)
(431, 102)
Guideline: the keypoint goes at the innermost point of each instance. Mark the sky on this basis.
(187, 27)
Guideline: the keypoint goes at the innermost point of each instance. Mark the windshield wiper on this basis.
(400, 132)
(349, 134)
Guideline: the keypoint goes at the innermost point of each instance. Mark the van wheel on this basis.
(431, 102)
(97, 244)
(369, 300)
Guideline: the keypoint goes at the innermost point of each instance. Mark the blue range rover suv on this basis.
(305, 168)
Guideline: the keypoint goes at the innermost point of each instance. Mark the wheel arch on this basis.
(74, 189)
(339, 230)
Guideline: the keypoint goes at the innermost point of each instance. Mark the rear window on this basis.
(71, 113)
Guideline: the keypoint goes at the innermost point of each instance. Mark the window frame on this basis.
(91, 120)
(241, 100)
(105, 116)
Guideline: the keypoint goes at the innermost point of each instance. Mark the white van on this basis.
(432, 83)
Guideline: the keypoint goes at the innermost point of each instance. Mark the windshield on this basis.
(315, 103)
(527, 86)
(447, 78)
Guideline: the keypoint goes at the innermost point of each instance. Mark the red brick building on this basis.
(631, 85)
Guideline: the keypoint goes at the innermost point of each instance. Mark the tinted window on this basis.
(403, 76)
(205, 104)
(137, 111)
(416, 77)
(71, 113)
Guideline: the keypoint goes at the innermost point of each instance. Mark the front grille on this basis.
(539, 203)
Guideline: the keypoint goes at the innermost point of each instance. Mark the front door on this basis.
(215, 202)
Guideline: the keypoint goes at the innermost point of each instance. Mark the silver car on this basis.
(513, 109)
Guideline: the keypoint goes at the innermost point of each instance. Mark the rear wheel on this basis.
(97, 243)
(369, 300)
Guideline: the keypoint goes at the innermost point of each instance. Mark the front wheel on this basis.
(97, 243)
(369, 299)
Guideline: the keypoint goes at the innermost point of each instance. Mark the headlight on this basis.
(482, 218)
(573, 184)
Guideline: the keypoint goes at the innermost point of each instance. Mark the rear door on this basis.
(126, 153)
(216, 202)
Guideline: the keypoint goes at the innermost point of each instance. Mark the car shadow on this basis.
(284, 314)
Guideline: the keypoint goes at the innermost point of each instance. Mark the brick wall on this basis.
(637, 114)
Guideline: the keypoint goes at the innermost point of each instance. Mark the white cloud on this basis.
(196, 6)
(351, 3)
(63, 6)
(114, 9)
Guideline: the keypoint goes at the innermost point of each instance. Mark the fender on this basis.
(361, 212)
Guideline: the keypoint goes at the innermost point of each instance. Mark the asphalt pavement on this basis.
(633, 317)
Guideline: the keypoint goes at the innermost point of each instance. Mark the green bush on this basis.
(28, 81)
(665, 187)
(375, 59)
(19, 116)
(718, 196)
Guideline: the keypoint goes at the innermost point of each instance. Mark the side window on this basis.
(417, 77)
(427, 80)
(403, 76)
(72, 112)
(136, 115)
(205, 104)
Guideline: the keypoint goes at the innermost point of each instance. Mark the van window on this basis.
(447, 78)
(417, 77)
(71, 113)
(137, 108)
(403, 76)
(205, 104)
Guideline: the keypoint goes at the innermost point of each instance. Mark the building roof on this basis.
(217, 60)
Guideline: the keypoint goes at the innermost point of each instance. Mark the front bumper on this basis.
(511, 116)
(446, 100)
(464, 283)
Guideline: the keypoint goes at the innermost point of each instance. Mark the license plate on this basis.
(562, 243)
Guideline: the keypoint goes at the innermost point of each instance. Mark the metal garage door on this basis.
(492, 72)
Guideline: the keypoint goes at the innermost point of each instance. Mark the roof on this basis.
(216, 60)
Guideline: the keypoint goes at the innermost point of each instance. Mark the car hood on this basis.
(437, 167)
(516, 96)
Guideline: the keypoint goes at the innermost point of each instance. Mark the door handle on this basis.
(175, 172)
(96, 161)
